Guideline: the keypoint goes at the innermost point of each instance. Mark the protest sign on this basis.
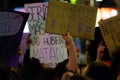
(110, 31)
(79, 20)
(58, 17)
(11, 30)
(82, 21)
(48, 48)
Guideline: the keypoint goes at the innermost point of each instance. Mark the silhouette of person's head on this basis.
(99, 71)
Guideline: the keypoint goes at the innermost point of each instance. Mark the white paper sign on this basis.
(48, 48)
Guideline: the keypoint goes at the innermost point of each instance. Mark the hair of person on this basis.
(61, 68)
(31, 70)
(115, 65)
(49, 74)
(6, 73)
(99, 71)
(77, 77)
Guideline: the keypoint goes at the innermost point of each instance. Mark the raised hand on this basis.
(100, 51)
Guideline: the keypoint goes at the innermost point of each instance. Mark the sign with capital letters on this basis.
(79, 20)
(48, 48)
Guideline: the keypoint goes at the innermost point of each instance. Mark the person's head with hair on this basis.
(98, 71)
(6, 74)
(31, 70)
(115, 66)
(49, 74)
(61, 68)
(67, 75)
(78, 77)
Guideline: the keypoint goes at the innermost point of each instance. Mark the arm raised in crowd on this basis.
(72, 63)
(100, 51)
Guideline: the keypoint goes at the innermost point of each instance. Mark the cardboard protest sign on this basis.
(79, 20)
(11, 30)
(58, 17)
(82, 21)
(110, 31)
(48, 48)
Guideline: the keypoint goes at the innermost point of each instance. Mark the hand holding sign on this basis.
(100, 51)
(68, 39)
(72, 63)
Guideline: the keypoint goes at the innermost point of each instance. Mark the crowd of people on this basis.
(100, 65)
(69, 69)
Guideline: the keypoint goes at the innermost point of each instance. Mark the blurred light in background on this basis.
(99, 0)
(73, 1)
(105, 13)
(21, 9)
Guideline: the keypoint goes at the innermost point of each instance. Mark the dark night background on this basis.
(11, 4)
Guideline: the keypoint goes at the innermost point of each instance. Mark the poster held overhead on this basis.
(82, 21)
(48, 48)
(11, 30)
(110, 32)
(79, 20)
(58, 17)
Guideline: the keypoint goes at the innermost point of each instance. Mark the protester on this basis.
(49, 74)
(98, 71)
(67, 75)
(78, 77)
(6, 74)
(34, 70)
(72, 64)
(115, 66)
(31, 70)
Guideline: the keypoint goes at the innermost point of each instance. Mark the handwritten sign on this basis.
(12, 24)
(79, 20)
(48, 48)
(110, 31)
(82, 21)
(57, 21)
